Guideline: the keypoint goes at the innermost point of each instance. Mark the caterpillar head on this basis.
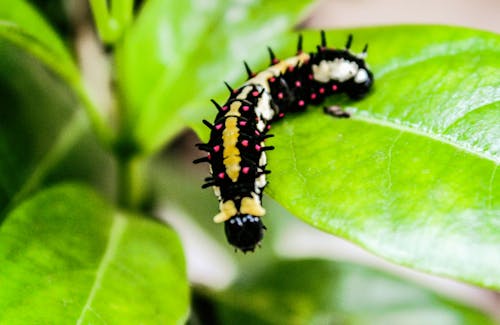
(342, 68)
(361, 83)
(244, 231)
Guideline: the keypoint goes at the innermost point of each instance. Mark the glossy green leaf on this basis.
(67, 257)
(321, 292)
(178, 52)
(412, 176)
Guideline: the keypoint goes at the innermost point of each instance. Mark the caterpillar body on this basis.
(236, 149)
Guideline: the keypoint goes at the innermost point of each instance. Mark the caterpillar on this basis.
(236, 149)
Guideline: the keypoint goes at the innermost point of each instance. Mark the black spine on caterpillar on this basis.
(236, 149)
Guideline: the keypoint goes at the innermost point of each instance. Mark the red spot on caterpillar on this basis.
(245, 170)
(255, 93)
(281, 114)
(313, 96)
(334, 87)
(243, 123)
(272, 79)
(209, 156)
(297, 83)
(280, 95)
(301, 102)
(310, 76)
(216, 148)
(245, 108)
(322, 90)
(218, 126)
(244, 143)
(257, 147)
(220, 175)
(225, 108)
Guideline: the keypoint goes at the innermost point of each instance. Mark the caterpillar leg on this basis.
(336, 111)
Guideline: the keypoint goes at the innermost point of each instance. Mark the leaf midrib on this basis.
(366, 118)
(115, 234)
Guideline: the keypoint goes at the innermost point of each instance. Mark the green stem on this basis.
(122, 11)
(130, 182)
(107, 26)
(112, 22)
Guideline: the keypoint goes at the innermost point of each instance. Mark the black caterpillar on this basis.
(236, 149)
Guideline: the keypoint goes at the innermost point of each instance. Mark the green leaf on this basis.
(412, 176)
(67, 257)
(177, 53)
(321, 292)
(38, 123)
(22, 25)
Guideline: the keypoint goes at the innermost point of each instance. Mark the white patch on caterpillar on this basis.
(260, 183)
(261, 126)
(256, 198)
(338, 69)
(361, 76)
(263, 158)
(263, 108)
(217, 192)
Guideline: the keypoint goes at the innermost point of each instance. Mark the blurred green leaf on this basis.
(412, 176)
(21, 24)
(178, 52)
(38, 122)
(66, 256)
(321, 292)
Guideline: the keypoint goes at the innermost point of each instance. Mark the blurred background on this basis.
(211, 262)
(481, 14)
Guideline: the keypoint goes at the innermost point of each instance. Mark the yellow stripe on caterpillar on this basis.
(231, 153)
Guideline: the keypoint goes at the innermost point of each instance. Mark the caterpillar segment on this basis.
(236, 149)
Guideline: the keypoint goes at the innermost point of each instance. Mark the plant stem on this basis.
(112, 22)
(102, 20)
(130, 182)
(122, 12)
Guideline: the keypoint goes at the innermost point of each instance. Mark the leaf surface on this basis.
(66, 256)
(412, 176)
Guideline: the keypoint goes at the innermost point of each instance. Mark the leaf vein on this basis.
(115, 233)
(368, 117)
(490, 186)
